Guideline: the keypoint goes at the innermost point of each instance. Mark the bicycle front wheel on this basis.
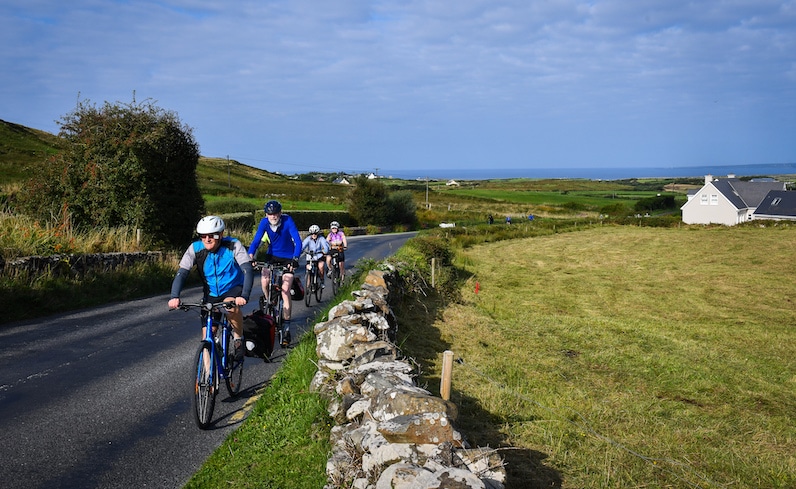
(335, 279)
(233, 369)
(310, 285)
(205, 386)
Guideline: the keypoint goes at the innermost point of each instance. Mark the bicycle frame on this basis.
(272, 302)
(313, 278)
(312, 265)
(273, 295)
(222, 325)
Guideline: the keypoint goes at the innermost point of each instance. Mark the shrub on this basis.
(124, 165)
(367, 202)
(659, 202)
(229, 206)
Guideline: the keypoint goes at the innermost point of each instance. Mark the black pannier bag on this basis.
(259, 331)
(296, 289)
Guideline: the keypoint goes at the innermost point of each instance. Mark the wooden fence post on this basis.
(447, 368)
(433, 271)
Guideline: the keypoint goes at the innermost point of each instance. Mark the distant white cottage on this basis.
(341, 181)
(727, 201)
(452, 183)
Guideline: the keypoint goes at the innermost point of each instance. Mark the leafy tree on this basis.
(125, 164)
(367, 202)
(402, 208)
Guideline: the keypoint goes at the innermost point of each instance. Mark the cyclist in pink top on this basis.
(338, 243)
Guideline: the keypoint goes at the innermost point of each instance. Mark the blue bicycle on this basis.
(215, 360)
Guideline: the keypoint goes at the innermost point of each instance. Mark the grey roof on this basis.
(778, 203)
(744, 194)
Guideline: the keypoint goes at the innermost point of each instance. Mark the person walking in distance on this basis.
(226, 272)
(283, 249)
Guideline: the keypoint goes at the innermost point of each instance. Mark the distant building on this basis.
(341, 181)
(452, 183)
(727, 201)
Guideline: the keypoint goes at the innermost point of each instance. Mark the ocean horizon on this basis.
(596, 173)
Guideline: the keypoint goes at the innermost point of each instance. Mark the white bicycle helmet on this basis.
(315, 229)
(210, 225)
(334, 224)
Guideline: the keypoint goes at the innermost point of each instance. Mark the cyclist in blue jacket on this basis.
(284, 249)
(317, 246)
(225, 269)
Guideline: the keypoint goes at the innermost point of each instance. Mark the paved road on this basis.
(99, 397)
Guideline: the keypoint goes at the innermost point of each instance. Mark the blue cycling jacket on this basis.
(221, 270)
(285, 242)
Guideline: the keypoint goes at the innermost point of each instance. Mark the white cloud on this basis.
(321, 82)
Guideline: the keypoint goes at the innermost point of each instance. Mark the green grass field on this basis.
(626, 357)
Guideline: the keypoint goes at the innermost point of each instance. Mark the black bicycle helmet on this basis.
(272, 207)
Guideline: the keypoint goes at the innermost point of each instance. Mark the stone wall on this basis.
(76, 264)
(388, 433)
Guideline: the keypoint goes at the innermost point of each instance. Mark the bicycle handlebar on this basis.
(259, 265)
(207, 306)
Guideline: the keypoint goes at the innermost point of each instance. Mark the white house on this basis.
(452, 183)
(727, 201)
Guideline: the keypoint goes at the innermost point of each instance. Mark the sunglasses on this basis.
(205, 236)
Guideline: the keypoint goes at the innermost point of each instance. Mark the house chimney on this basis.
(708, 179)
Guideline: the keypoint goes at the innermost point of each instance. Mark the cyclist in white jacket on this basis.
(316, 245)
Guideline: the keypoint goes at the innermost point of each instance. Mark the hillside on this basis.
(21, 146)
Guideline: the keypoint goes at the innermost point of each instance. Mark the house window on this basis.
(703, 199)
(714, 199)
(776, 201)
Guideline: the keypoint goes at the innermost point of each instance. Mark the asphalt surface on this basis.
(100, 398)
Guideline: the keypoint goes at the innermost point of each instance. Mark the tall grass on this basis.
(624, 356)
(25, 236)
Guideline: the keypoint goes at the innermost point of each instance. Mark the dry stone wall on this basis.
(388, 432)
(77, 264)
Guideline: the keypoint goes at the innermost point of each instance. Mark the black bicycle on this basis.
(214, 360)
(337, 276)
(314, 284)
(271, 302)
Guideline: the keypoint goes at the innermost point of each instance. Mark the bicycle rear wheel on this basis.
(205, 386)
(233, 369)
(318, 286)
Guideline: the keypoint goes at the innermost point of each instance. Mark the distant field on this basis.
(534, 197)
(628, 357)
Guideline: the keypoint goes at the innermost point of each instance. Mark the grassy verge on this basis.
(624, 356)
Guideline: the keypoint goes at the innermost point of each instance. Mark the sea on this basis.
(771, 170)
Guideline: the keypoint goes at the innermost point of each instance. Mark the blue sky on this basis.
(300, 85)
